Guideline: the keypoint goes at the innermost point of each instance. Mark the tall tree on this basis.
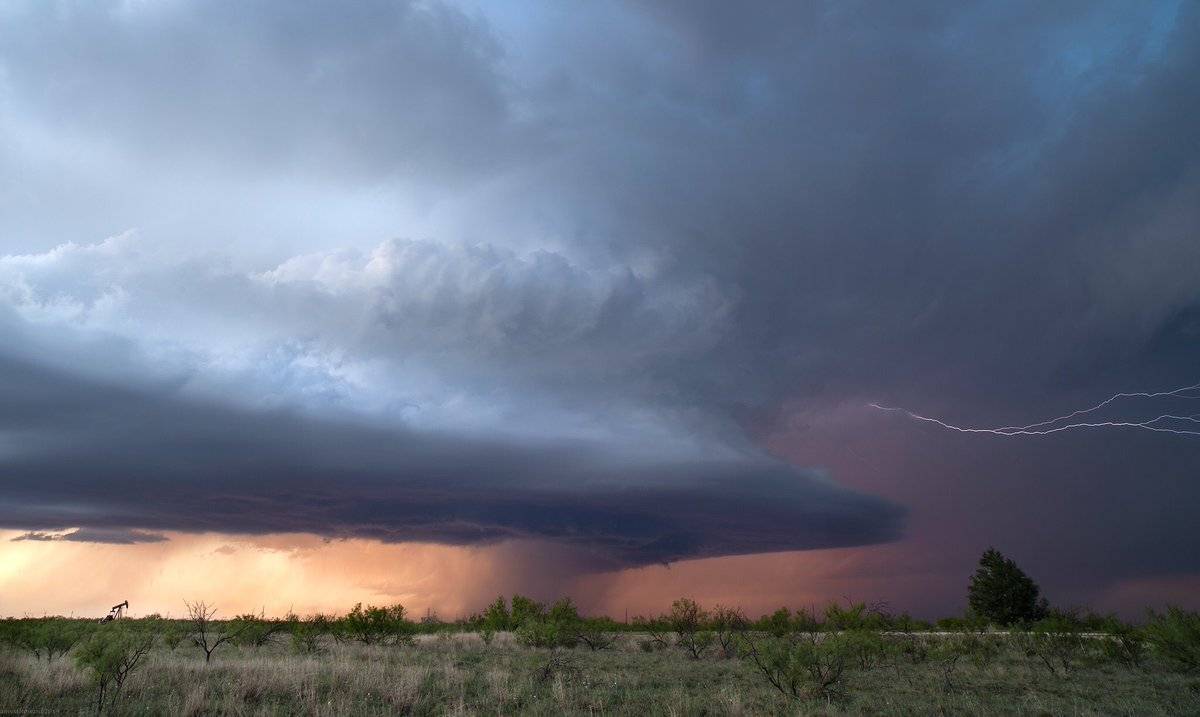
(1002, 593)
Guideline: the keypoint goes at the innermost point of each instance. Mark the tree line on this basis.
(802, 653)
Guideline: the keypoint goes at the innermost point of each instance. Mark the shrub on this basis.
(688, 620)
(851, 617)
(49, 638)
(110, 654)
(728, 624)
(524, 609)
(255, 630)
(307, 632)
(207, 633)
(377, 625)
(560, 626)
(1123, 643)
(802, 665)
(563, 611)
(866, 647)
(657, 631)
(1002, 593)
(173, 632)
(496, 616)
(777, 624)
(540, 632)
(1175, 636)
(1057, 640)
(597, 634)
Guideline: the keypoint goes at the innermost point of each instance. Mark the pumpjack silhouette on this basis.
(117, 612)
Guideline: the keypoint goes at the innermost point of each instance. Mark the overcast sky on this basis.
(615, 277)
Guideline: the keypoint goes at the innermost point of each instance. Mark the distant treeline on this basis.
(800, 652)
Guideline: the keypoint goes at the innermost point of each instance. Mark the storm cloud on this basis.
(622, 275)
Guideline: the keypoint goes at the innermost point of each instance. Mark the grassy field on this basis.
(457, 673)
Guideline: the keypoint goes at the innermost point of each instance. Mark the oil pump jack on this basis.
(117, 612)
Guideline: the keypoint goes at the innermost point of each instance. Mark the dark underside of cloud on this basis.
(487, 262)
(111, 460)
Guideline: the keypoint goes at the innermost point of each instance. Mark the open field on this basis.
(458, 673)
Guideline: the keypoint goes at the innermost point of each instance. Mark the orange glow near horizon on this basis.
(304, 573)
(276, 574)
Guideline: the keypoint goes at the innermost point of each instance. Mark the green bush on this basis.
(255, 630)
(777, 624)
(560, 626)
(1175, 637)
(173, 633)
(524, 609)
(48, 637)
(496, 616)
(540, 632)
(110, 654)
(1123, 643)
(1057, 640)
(307, 632)
(377, 625)
(802, 665)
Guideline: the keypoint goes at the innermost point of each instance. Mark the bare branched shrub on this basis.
(1057, 641)
(596, 634)
(728, 625)
(209, 634)
(688, 621)
(657, 630)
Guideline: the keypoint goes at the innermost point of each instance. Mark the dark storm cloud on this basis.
(692, 221)
(108, 458)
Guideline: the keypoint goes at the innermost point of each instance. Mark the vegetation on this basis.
(110, 654)
(1002, 593)
(521, 656)
(1175, 636)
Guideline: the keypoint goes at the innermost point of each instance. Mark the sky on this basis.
(304, 303)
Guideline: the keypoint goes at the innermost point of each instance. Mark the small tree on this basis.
(307, 632)
(728, 624)
(49, 638)
(597, 633)
(557, 627)
(209, 634)
(657, 632)
(688, 621)
(377, 625)
(1002, 593)
(524, 609)
(496, 617)
(109, 655)
(256, 630)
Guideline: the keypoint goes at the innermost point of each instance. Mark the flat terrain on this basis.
(459, 674)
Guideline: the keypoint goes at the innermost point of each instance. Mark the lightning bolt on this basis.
(1162, 423)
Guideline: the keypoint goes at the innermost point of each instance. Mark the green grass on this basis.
(458, 674)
